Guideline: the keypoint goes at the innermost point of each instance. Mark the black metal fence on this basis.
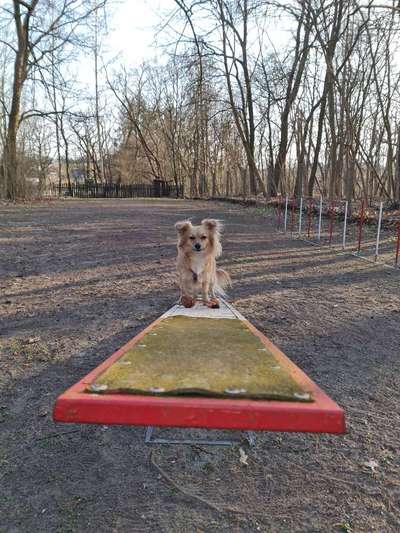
(157, 189)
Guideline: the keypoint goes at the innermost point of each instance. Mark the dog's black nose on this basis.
(197, 246)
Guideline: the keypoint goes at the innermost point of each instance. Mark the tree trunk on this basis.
(14, 186)
(317, 150)
(397, 169)
(294, 81)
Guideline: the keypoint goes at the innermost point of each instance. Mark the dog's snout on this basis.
(197, 246)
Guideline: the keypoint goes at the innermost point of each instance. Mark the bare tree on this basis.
(38, 32)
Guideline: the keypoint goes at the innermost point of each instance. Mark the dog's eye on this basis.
(192, 237)
(203, 237)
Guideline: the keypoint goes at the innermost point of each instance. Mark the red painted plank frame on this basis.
(321, 416)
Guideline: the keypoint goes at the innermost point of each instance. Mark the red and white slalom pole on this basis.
(320, 219)
(378, 232)
(310, 212)
(294, 202)
(286, 212)
(396, 261)
(300, 214)
(346, 209)
(361, 224)
(331, 222)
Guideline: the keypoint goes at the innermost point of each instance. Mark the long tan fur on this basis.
(198, 249)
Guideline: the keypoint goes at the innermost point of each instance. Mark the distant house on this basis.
(78, 175)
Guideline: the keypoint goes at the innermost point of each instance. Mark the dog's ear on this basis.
(183, 226)
(212, 224)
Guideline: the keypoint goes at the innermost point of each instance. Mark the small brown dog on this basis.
(198, 248)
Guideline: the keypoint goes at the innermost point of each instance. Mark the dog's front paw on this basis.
(187, 301)
(213, 303)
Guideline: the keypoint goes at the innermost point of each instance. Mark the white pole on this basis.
(300, 214)
(345, 225)
(378, 234)
(286, 208)
(320, 218)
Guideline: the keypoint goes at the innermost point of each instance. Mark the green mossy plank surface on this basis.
(184, 355)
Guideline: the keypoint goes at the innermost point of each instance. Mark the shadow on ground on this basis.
(71, 297)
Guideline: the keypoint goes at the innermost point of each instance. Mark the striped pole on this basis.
(320, 218)
(278, 214)
(300, 214)
(331, 215)
(286, 210)
(345, 224)
(378, 233)
(310, 210)
(362, 216)
(292, 215)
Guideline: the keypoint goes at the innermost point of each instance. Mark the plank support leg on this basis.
(150, 439)
(250, 437)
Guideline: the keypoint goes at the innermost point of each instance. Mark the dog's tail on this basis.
(223, 281)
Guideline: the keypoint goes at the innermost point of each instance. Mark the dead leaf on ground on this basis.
(243, 457)
(371, 464)
(33, 340)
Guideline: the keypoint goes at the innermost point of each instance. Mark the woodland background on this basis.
(230, 111)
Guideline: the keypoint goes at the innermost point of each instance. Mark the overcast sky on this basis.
(133, 36)
(132, 29)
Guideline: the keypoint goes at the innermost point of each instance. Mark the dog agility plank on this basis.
(201, 367)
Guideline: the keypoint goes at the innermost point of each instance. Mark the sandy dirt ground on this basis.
(80, 278)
